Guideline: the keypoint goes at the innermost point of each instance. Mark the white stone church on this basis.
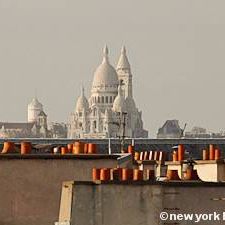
(111, 110)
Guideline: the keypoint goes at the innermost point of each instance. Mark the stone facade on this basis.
(111, 106)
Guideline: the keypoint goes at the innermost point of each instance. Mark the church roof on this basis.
(42, 113)
(35, 103)
(105, 75)
(123, 62)
(21, 126)
(170, 126)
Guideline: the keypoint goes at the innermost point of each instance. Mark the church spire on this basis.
(123, 50)
(105, 54)
(123, 63)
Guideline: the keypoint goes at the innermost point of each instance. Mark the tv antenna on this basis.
(182, 130)
(122, 128)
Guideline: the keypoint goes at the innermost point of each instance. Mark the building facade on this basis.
(111, 110)
(35, 127)
(38, 117)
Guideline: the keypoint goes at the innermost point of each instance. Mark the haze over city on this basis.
(176, 50)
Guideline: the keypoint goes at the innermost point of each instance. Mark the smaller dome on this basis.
(82, 102)
(119, 104)
(35, 104)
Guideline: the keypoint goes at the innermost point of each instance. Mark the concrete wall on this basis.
(30, 187)
(141, 203)
(208, 170)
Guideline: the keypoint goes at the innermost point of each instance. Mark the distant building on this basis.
(111, 103)
(58, 130)
(38, 117)
(15, 130)
(170, 129)
(197, 132)
(35, 127)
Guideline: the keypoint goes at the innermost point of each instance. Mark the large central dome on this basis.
(105, 75)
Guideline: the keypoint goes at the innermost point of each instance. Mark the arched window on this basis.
(94, 124)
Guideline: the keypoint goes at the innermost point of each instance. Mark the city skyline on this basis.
(176, 50)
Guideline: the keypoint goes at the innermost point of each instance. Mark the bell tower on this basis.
(124, 73)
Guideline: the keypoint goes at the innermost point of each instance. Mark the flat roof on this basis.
(65, 156)
(145, 141)
(179, 183)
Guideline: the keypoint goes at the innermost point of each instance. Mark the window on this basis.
(106, 99)
(94, 124)
(94, 111)
(98, 99)
(80, 114)
(102, 99)
(110, 99)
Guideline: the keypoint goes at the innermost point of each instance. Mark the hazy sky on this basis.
(176, 50)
